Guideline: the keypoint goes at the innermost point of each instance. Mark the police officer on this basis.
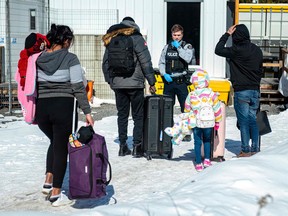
(173, 65)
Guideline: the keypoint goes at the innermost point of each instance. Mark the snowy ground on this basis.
(156, 187)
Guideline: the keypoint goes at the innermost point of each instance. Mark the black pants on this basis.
(124, 99)
(172, 89)
(54, 117)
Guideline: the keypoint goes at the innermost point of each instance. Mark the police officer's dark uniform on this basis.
(175, 61)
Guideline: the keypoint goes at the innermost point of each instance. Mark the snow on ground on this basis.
(156, 187)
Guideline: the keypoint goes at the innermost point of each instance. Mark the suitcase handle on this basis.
(101, 156)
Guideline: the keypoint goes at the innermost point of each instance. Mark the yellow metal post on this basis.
(236, 12)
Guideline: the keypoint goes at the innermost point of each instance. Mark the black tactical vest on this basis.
(173, 62)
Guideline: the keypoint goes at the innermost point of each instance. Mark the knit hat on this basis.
(82, 137)
(128, 18)
(35, 43)
(85, 134)
(30, 40)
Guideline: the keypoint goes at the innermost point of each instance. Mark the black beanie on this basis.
(85, 134)
(128, 18)
(30, 40)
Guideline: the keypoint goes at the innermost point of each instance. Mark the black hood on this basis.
(241, 34)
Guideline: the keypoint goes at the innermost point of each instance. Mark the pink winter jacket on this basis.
(27, 96)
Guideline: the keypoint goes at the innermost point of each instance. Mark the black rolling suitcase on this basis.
(158, 114)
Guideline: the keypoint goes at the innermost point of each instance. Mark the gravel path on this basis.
(106, 110)
(110, 109)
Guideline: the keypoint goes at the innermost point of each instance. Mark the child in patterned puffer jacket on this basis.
(189, 120)
(194, 103)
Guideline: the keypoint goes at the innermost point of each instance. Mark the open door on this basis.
(187, 14)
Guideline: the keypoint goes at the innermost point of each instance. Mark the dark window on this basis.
(32, 19)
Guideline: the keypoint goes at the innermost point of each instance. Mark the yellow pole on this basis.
(236, 12)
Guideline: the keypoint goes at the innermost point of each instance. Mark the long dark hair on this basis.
(58, 34)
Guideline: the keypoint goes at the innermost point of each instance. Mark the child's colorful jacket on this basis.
(200, 80)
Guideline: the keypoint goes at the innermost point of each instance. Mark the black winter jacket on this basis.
(245, 59)
(142, 57)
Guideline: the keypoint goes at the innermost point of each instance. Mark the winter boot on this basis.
(137, 150)
(124, 150)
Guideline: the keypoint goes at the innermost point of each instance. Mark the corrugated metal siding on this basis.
(95, 17)
(2, 19)
(20, 26)
(213, 26)
(148, 14)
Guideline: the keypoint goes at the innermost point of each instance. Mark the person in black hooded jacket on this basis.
(245, 60)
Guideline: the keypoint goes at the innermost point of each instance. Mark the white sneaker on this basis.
(62, 200)
(46, 188)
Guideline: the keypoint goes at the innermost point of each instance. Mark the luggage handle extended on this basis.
(101, 156)
(74, 115)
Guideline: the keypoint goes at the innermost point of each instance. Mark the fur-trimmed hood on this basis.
(126, 27)
(125, 31)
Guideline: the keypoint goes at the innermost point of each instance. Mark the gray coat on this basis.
(142, 58)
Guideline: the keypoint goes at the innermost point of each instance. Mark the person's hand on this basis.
(231, 30)
(167, 77)
(152, 89)
(89, 120)
(175, 44)
(216, 127)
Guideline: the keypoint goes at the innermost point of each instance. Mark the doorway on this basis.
(187, 14)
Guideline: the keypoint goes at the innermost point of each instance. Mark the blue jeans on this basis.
(202, 135)
(246, 104)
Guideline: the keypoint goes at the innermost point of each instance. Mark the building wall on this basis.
(91, 18)
(90, 52)
(94, 17)
(213, 27)
(19, 29)
(150, 15)
(2, 38)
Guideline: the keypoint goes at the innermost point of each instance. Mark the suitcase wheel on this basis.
(170, 155)
(149, 157)
(219, 159)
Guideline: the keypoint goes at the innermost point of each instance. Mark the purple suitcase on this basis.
(87, 169)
